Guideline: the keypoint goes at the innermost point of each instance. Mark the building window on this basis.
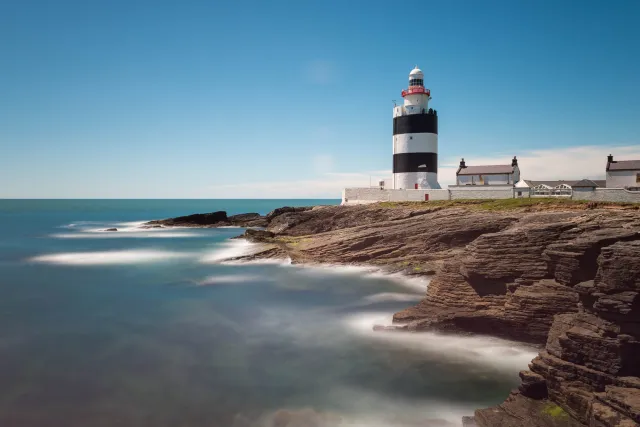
(519, 193)
(637, 178)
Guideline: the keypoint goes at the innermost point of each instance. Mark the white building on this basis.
(623, 173)
(415, 138)
(488, 174)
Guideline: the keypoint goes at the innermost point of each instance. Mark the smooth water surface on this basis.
(154, 328)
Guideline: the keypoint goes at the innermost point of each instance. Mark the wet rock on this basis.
(258, 235)
(111, 229)
(248, 220)
(469, 422)
(286, 209)
(195, 220)
(533, 385)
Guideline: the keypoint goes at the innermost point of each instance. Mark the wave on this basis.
(365, 409)
(229, 250)
(390, 296)
(418, 284)
(282, 262)
(101, 234)
(503, 355)
(226, 279)
(132, 256)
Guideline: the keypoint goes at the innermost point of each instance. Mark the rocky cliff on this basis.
(561, 274)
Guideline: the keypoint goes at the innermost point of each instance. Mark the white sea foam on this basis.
(226, 279)
(316, 270)
(417, 284)
(369, 409)
(229, 250)
(390, 296)
(283, 262)
(101, 234)
(500, 354)
(132, 256)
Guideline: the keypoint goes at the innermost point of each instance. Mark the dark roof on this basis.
(583, 183)
(624, 165)
(485, 170)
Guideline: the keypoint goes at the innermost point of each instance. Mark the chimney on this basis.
(462, 163)
(514, 162)
(609, 158)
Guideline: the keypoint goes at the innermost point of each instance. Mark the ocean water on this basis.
(156, 328)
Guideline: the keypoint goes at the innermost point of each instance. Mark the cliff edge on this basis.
(561, 274)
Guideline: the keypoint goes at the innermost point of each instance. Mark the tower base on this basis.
(416, 180)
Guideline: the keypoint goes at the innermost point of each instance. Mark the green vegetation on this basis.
(507, 204)
(554, 411)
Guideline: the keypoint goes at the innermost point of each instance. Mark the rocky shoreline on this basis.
(561, 274)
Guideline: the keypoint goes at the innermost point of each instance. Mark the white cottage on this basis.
(623, 173)
(488, 174)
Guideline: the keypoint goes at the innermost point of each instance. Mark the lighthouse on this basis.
(415, 138)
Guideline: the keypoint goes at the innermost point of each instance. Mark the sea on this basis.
(157, 327)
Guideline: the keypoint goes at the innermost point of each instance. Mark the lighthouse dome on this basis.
(416, 77)
(416, 73)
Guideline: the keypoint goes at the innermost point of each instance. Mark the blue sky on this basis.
(294, 98)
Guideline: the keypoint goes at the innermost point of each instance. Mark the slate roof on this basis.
(485, 170)
(623, 165)
(588, 183)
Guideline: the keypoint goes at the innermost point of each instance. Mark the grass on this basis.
(554, 411)
(508, 204)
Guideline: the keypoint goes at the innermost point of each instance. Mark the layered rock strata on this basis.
(566, 277)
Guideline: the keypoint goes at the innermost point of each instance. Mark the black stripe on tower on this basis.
(415, 123)
(411, 162)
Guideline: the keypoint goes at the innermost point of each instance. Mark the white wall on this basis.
(621, 179)
(497, 179)
(481, 192)
(408, 180)
(606, 195)
(372, 195)
(415, 143)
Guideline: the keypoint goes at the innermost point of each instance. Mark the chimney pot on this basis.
(609, 158)
(462, 163)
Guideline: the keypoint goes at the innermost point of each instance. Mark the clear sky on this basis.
(123, 98)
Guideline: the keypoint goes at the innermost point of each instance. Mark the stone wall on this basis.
(606, 195)
(372, 195)
(481, 192)
(354, 196)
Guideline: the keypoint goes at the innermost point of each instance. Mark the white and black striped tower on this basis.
(415, 138)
